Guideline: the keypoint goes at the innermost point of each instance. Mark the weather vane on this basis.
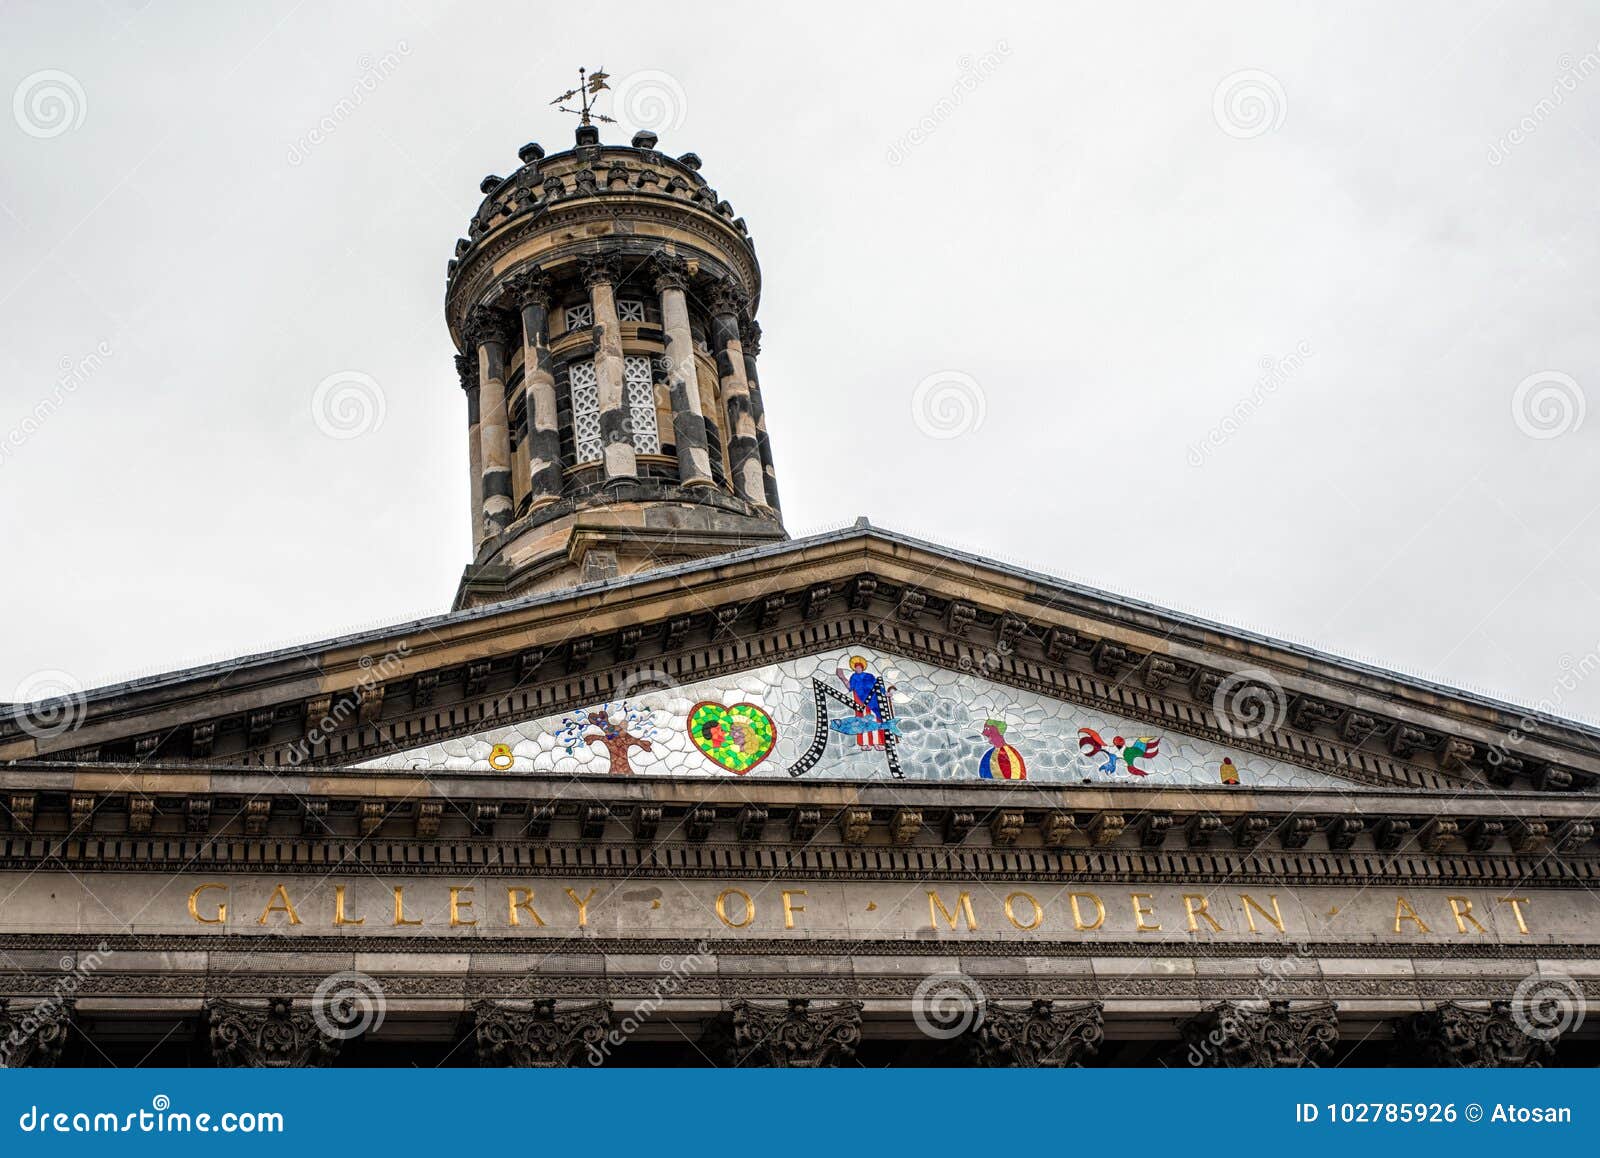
(589, 84)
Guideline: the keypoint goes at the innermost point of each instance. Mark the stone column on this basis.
(540, 1036)
(744, 459)
(750, 340)
(1483, 1037)
(1038, 1036)
(531, 292)
(467, 370)
(797, 1034)
(1232, 1034)
(34, 1036)
(688, 420)
(487, 331)
(600, 274)
(269, 1036)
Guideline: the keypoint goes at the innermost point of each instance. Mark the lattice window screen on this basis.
(630, 311)
(585, 410)
(580, 317)
(641, 395)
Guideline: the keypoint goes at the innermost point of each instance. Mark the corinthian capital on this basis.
(541, 1037)
(485, 324)
(270, 1036)
(798, 1034)
(467, 371)
(1475, 1038)
(670, 272)
(728, 298)
(1037, 1036)
(530, 287)
(750, 337)
(599, 269)
(34, 1036)
(1231, 1034)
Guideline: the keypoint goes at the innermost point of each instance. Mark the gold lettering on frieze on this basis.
(516, 906)
(1274, 918)
(722, 908)
(1078, 922)
(1461, 910)
(963, 909)
(458, 903)
(1516, 904)
(1404, 912)
(583, 905)
(1195, 907)
(339, 917)
(222, 906)
(1140, 912)
(789, 908)
(279, 902)
(1011, 913)
(400, 908)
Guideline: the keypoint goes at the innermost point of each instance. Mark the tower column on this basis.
(688, 421)
(600, 274)
(467, 371)
(750, 340)
(744, 459)
(531, 292)
(487, 330)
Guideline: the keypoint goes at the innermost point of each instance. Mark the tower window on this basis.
(630, 311)
(640, 390)
(585, 409)
(580, 317)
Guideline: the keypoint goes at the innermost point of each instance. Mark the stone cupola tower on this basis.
(603, 303)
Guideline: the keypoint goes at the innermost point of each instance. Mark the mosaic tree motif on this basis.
(617, 730)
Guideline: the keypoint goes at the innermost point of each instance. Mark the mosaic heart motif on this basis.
(736, 737)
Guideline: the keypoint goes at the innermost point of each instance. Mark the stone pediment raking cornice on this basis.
(1074, 643)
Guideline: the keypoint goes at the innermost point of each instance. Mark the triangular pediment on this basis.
(854, 714)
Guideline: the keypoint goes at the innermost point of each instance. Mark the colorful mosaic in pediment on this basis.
(855, 716)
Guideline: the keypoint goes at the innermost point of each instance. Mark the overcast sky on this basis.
(1281, 314)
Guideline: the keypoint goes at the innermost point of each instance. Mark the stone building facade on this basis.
(669, 787)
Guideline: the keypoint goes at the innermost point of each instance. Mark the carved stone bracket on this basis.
(1471, 1038)
(1233, 1035)
(798, 1034)
(540, 1036)
(269, 1036)
(1038, 1036)
(34, 1036)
